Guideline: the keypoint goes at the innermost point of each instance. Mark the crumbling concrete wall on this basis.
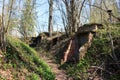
(85, 40)
(85, 36)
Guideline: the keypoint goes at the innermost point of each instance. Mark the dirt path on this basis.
(60, 74)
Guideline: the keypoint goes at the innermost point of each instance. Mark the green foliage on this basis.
(21, 55)
(28, 23)
(33, 76)
(92, 58)
(78, 71)
(104, 46)
(96, 54)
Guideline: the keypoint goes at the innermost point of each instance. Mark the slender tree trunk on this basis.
(2, 31)
(101, 11)
(73, 13)
(50, 25)
(90, 11)
(10, 14)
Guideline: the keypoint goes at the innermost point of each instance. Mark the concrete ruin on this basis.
(85, 35)
(84, 40)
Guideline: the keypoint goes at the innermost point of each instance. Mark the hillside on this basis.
(101, 62)
(60, 40)
(20, 62)
(102, 59)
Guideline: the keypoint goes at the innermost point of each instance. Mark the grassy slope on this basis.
(24, 62)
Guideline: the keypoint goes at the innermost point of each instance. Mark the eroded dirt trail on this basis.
(60, 74)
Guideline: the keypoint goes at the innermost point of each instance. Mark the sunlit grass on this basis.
(28, 57)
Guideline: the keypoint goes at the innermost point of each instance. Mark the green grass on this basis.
(20, 55)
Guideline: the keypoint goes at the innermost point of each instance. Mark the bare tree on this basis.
(72, 11)
(9, 14)
(27, 22)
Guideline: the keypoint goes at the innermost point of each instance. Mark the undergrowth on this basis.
(97, 56)
(25, 59)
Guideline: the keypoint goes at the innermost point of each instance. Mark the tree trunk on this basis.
(73, 13)
(50, 26)
(2, 31)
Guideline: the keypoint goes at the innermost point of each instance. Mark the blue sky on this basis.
(42, 16)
